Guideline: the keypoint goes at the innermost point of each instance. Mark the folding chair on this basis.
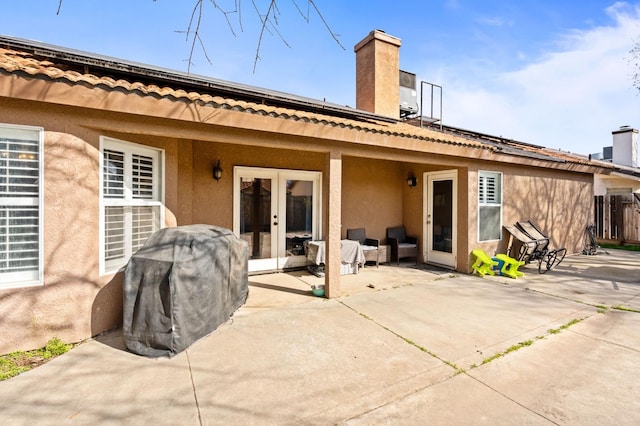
(534, 245)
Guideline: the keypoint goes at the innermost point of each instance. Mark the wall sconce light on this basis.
(217, 172)
(411, 180)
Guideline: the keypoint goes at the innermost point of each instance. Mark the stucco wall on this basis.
(375, 200)
(213, 201)
(30, 316)
(63, 305)
(376, 196)
(74, 302)
(560, 203)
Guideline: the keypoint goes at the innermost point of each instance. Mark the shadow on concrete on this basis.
(281, 288)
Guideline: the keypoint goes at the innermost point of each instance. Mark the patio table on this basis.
(350, 253)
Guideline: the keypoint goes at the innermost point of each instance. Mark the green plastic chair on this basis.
(483, 264)
(510, 266)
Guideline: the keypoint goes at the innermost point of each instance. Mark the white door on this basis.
(275, 211)
(441, 195)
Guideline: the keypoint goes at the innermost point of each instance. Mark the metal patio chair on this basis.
(527, 243)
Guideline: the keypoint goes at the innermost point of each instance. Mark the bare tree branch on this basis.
(240, 15)
(305, 17)
(196, 8)
(204, 50)
(271, 17)
(226, 14)
(196, 33)
(335, 36)
(269, 22)
(264, 25)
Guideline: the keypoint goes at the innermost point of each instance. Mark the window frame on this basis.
(20, 279)
(498, 204)
(127, 201)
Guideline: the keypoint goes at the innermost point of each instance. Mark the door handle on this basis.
(275, 223)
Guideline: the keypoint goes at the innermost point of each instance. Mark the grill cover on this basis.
(181, 285)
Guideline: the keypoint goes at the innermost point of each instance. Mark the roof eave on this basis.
(206, 84)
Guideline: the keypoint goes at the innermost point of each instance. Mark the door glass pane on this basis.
(442, 215)
(255, 216)
(299, 215)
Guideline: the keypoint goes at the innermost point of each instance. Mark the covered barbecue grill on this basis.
(181, 285)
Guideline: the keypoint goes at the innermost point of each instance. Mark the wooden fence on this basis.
(617, 217)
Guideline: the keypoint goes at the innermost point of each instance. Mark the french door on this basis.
(441, 225)
(276, 211)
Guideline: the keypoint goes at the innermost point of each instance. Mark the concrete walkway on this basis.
(402, 346)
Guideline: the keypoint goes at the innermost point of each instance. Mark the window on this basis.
(131, 200)
(20, 206)
(489, 206)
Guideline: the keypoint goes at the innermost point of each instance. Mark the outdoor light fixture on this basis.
(411, 180)
(217, 172)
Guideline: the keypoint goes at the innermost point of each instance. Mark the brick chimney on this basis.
(378, 74)
(625, 146)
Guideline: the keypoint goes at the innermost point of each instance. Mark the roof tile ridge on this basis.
(34, 66)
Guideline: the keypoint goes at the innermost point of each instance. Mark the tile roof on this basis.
(13, 60)
(513, 147)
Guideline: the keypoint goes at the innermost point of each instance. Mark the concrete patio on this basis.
(401, 346)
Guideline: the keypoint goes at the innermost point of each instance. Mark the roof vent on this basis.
(408, 94)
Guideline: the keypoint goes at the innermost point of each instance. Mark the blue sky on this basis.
(552, 73)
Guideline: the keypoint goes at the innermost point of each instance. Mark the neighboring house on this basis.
(617, 194)
(97, 153)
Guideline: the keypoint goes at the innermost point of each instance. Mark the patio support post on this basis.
(334, 225)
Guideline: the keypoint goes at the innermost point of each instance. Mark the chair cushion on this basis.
(358, 234)
(405, 245)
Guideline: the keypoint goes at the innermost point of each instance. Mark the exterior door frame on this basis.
(431, 255)
(278, 260)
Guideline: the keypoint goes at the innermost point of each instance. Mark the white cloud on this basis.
(495, 21)
(570, 99)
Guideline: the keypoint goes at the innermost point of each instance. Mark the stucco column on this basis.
(334, 225)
